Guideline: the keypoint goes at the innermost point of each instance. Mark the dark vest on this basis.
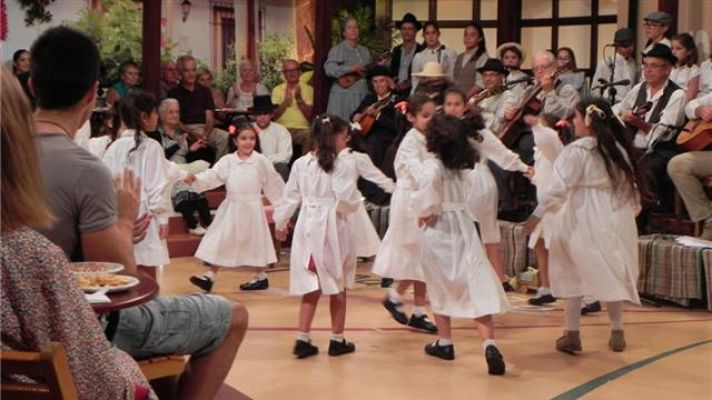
(662, 103)
(396, 59)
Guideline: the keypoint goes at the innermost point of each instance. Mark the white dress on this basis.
(322, 231)
(547, 147)
(484, 198)
(461, 281)
(149, 163)
(399, 254)
(366, 241)
(594, 240)
(683, 75)
(239, 235)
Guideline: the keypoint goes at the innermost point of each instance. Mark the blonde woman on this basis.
(242, 93)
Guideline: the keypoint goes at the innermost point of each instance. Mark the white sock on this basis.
(210, 275)
(444, 342)
(615, 314)
(572, 311)
(304, 337)
(393, 296)
(419, 311)
(337, 337)
(488, 342)
(260, 276)
(587, 300)
(543, 291)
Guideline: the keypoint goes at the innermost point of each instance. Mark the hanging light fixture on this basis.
(185, 7)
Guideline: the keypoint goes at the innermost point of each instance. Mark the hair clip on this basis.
(325, 119)
(590, 110)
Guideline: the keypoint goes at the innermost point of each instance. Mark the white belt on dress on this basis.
(453, 206)
(244, 198)
(318, 201)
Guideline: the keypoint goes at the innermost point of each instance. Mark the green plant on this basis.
(35, 11)
(227, 76)
(118, 32)
(273, 51)
(370, 35)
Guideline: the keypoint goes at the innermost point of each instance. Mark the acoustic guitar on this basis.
(475, 100)
(367, 120)
(695, 136)
(347, 80)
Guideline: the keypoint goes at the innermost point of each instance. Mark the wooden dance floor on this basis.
(669, 353)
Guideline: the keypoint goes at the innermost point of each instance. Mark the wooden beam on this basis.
(509, 21)
(151, 50)
(251, 51)
(671, 7)
(322, 36)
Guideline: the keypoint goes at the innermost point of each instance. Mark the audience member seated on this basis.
(568, 72)
(241, 95)
(20, 62)
(685, 73)
(622, 64)
(129, 74)
(205, 78)
(169, 78)
(687, 169)
(465, 75)
(656, 27)
(655, 130)
(294, 100)
(197, 108)
(94, 222)
(275, 140)
(40, 300)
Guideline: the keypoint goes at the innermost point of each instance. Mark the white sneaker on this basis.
(198, 231)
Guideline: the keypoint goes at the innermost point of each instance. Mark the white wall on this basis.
(195, 34)
(21, 37)
(279, 17)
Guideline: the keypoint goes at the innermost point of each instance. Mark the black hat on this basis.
(408, 17)
(494, 64)
(624, 37)
(661, 51)
(378, 70)
(659, 17)
(262, 105)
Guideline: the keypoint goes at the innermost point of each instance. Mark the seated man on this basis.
(275, 140)
(688, 168)
(91, 224)
(654, 109)
(169, 78)
(197, 107)
(497, 100)
(295, 101)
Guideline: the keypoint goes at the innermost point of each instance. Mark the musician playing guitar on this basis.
(377, 111)
(493, 101)
(657, 129)
(687, 169)
(345, 60)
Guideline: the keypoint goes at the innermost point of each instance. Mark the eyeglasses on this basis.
(653, 66)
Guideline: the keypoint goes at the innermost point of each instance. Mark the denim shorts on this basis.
(184, 325)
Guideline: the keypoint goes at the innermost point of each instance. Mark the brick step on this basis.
(215, 197)
(183, 245)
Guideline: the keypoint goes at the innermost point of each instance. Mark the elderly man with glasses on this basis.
(294, 101)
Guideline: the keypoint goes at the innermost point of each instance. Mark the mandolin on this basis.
(347, 80)
(696, 135)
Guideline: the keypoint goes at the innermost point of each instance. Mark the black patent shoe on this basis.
(591, 308)
(507, 287)
(304, 349)
(261, 284)
(495, 361)
(541, 300)
(386, 282)
(202, 282)
(341, 348)
(446, 352)
(422, 323)
(393, 308)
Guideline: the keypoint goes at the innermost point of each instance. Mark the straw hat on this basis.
(507, 45)
(431, 69)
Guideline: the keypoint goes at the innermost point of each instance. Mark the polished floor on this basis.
(669, 353)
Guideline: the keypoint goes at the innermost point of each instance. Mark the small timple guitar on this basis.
(347, 80)
(639, 111)
(695, 136)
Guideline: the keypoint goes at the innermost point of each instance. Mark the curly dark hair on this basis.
(447, 137)
(324, 128)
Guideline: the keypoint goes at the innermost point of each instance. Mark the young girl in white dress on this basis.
(399, 254)
(239, 235)
(369, 242)
(490, 147)
(322, 258)
(461, 282)
(132, 148)
(685, 73)
(593, 198)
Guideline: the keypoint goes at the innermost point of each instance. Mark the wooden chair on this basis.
(162, 367)
(49, 366)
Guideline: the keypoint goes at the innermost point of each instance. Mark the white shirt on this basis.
(446, 57)
(683, 75)
(705, 78)
(690, 108)
(624, 69)
(276, 143)
(664, 41)
(672, 114)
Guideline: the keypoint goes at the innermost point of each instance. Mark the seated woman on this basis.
(129, 73)
(242, 93)
(40, 299)
(205, 78)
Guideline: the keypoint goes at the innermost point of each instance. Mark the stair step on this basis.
(182, 245)
(215, 197)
